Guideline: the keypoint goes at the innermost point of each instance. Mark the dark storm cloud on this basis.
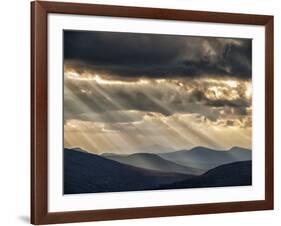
(151, 55)
(238, 103)
(200, 96)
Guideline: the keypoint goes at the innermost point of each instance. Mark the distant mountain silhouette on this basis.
(242, 154)
(205, 158)
(152, 162)
(89, 173)
(232, 174)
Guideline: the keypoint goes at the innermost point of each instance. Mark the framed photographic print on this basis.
(145, 112)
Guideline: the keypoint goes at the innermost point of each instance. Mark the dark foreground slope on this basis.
(89, 173)
(232, 174)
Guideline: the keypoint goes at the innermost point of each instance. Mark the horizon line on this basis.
(172, 150)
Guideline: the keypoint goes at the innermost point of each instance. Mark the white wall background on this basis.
(15, 114)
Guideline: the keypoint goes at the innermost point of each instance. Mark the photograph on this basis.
(146, 111)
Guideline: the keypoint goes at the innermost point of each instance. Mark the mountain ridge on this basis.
(206, 158)
(233, 148)
(194, 161)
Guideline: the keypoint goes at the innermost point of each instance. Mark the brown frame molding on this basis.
(39, 107)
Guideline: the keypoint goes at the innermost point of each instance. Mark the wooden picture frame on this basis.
(39, 112)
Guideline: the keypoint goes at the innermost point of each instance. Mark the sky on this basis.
(130, 92)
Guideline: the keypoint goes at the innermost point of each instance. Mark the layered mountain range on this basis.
(85, 172)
